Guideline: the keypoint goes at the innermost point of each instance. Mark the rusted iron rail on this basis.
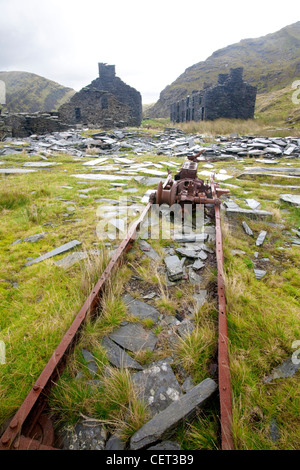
(223, 355)
(30, 429)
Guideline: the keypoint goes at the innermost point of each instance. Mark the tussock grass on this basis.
(263, 321)
(195, 351)
(224, 127)
(202, 434)
(114, 403)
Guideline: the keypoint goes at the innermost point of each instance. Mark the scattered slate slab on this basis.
(188, 384)
(259, 273)
(238, 252)
(93, 176)
(33, 238)
(293, 199)
(71, 259)
(146, 197)
(261, 238)
(40, 164)
(157, 386)
(134, 338)
(257, 214)
(194, 278)
(118, 357)
(85, 436)
(231, 205)
(8, 171)
(174, 268)
(153, 172)
(91, 362)
(165, 422)
(287, 369)
(274, 432)
(200, 297)
(148, 250)
(247, 229)
(189, 253)
(147, 181)
(96, 161)
(197, 237)
(140, 309)
(268, 169)
(115, 443)
(185, 328)
(253, 204)
(56, 251)
(198, 264)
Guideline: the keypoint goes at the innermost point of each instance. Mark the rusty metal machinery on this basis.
(186, 188)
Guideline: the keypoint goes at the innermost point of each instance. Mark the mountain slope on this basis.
(28, 92)
(271, 62)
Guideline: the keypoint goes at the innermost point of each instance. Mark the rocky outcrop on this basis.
(269, 62)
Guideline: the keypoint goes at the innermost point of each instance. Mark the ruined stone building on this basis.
(106, 102)
(231, 98)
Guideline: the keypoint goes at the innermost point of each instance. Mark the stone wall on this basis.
(24, 125)
(231, 98)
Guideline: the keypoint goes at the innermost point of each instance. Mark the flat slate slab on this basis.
(40, 164)
(85, 436)
(194, 254)
(148, 250)
(8, 171)
(164, 423)
(253, 204)
(118, 357)
(186, 328)
(174, 268)
(257, 214)
(56, 251)
(197, 237)
(247, 229)
(140, 309)
(259, 273)
(157, 386)
(261, 238)
(293, 199)
(275, 168)
(134, 337)
(92, 176)
(71, 259)
(287, 369)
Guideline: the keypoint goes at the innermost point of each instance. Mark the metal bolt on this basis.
(5, 440)
(14, 424)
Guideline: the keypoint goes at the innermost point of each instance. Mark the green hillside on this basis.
(29, 93)
(271, 62)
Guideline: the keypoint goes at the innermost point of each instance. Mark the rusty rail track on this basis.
(31, 428)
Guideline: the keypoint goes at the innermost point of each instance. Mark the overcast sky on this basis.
(151, 42)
